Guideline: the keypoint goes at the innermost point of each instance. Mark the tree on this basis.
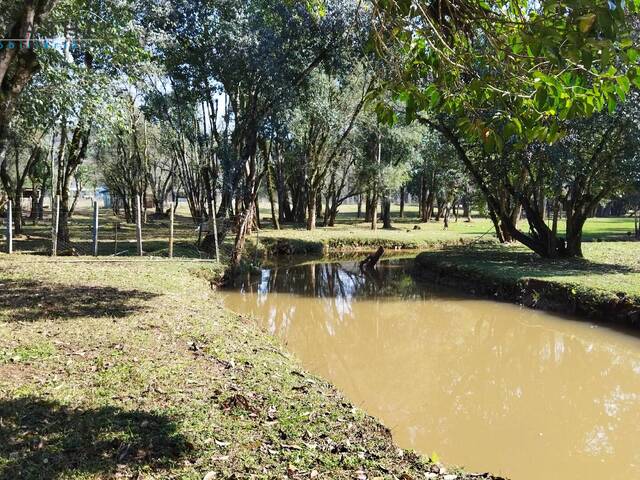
(439, 179)
(79, 79)
(496, 79)
(24, 152)
(257, 55)
(18, 60)
(124, 155)
(596, 156)
(322, 124)
(387, 152)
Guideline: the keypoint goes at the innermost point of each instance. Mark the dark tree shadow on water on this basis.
(43, 440)
(27, 300)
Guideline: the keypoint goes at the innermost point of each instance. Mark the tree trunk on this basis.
(445, 217)
(556, 212)
(35, 197)
(386, 213)
(496, 224)
(241, 237)
(327, 210)
(41, 204)
(257, 214)
(311, 210)
(402, 200)
(422, 200)
(333, 214)
(374, 211)
(275, 217)
(17, 214)
(440, 203)
(427, 209)
(575, 224)
(225, 210)
(466, 209)
(367, 207)
(63, 228)
(319, 204)
(76, 196)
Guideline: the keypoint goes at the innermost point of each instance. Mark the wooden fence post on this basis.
(139, 224)
(95, 228)
(171, 219)
(9, 226)
(55, 224)
(115, 231)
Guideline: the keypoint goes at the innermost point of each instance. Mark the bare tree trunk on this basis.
(374, 211)
(35, 199)
(367, 207)
(466, 209)
(311, 211)
(427, 209)
(386, 213)
(275, 218)
(41, 204)
(422, 199)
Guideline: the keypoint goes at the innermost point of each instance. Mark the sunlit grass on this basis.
(608, 266)
(142, 373)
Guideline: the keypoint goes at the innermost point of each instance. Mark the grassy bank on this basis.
(133, 369)
(349, 234)
(605, 285)
(408, 233)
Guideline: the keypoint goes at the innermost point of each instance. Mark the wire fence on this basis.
(95, 231)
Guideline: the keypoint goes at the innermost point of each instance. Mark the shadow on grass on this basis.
(27, 300)
(497, 257)
(40, 439)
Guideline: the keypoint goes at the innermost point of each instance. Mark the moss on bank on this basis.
(133, 369)
(604, 286)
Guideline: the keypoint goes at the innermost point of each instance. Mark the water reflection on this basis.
(487, 385)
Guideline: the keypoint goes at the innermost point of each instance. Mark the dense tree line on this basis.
(308, 105)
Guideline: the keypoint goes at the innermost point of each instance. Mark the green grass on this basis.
(130, 368)
(28, 352)
(610, 267)
(116, 236)
(351, 233)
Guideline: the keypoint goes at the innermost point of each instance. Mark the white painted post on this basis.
(9, 226)
(95, 228)
(55, 224)
(171, 219)
(139, 224)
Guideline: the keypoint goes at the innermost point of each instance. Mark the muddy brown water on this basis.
(486, 385)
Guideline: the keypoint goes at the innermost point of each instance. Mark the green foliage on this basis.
(508, 70)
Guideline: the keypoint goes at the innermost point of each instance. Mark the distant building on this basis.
(104, 195)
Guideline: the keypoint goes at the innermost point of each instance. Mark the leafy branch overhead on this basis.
(508, 69)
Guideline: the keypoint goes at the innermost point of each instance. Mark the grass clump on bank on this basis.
(604, 285)
(133, 369)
